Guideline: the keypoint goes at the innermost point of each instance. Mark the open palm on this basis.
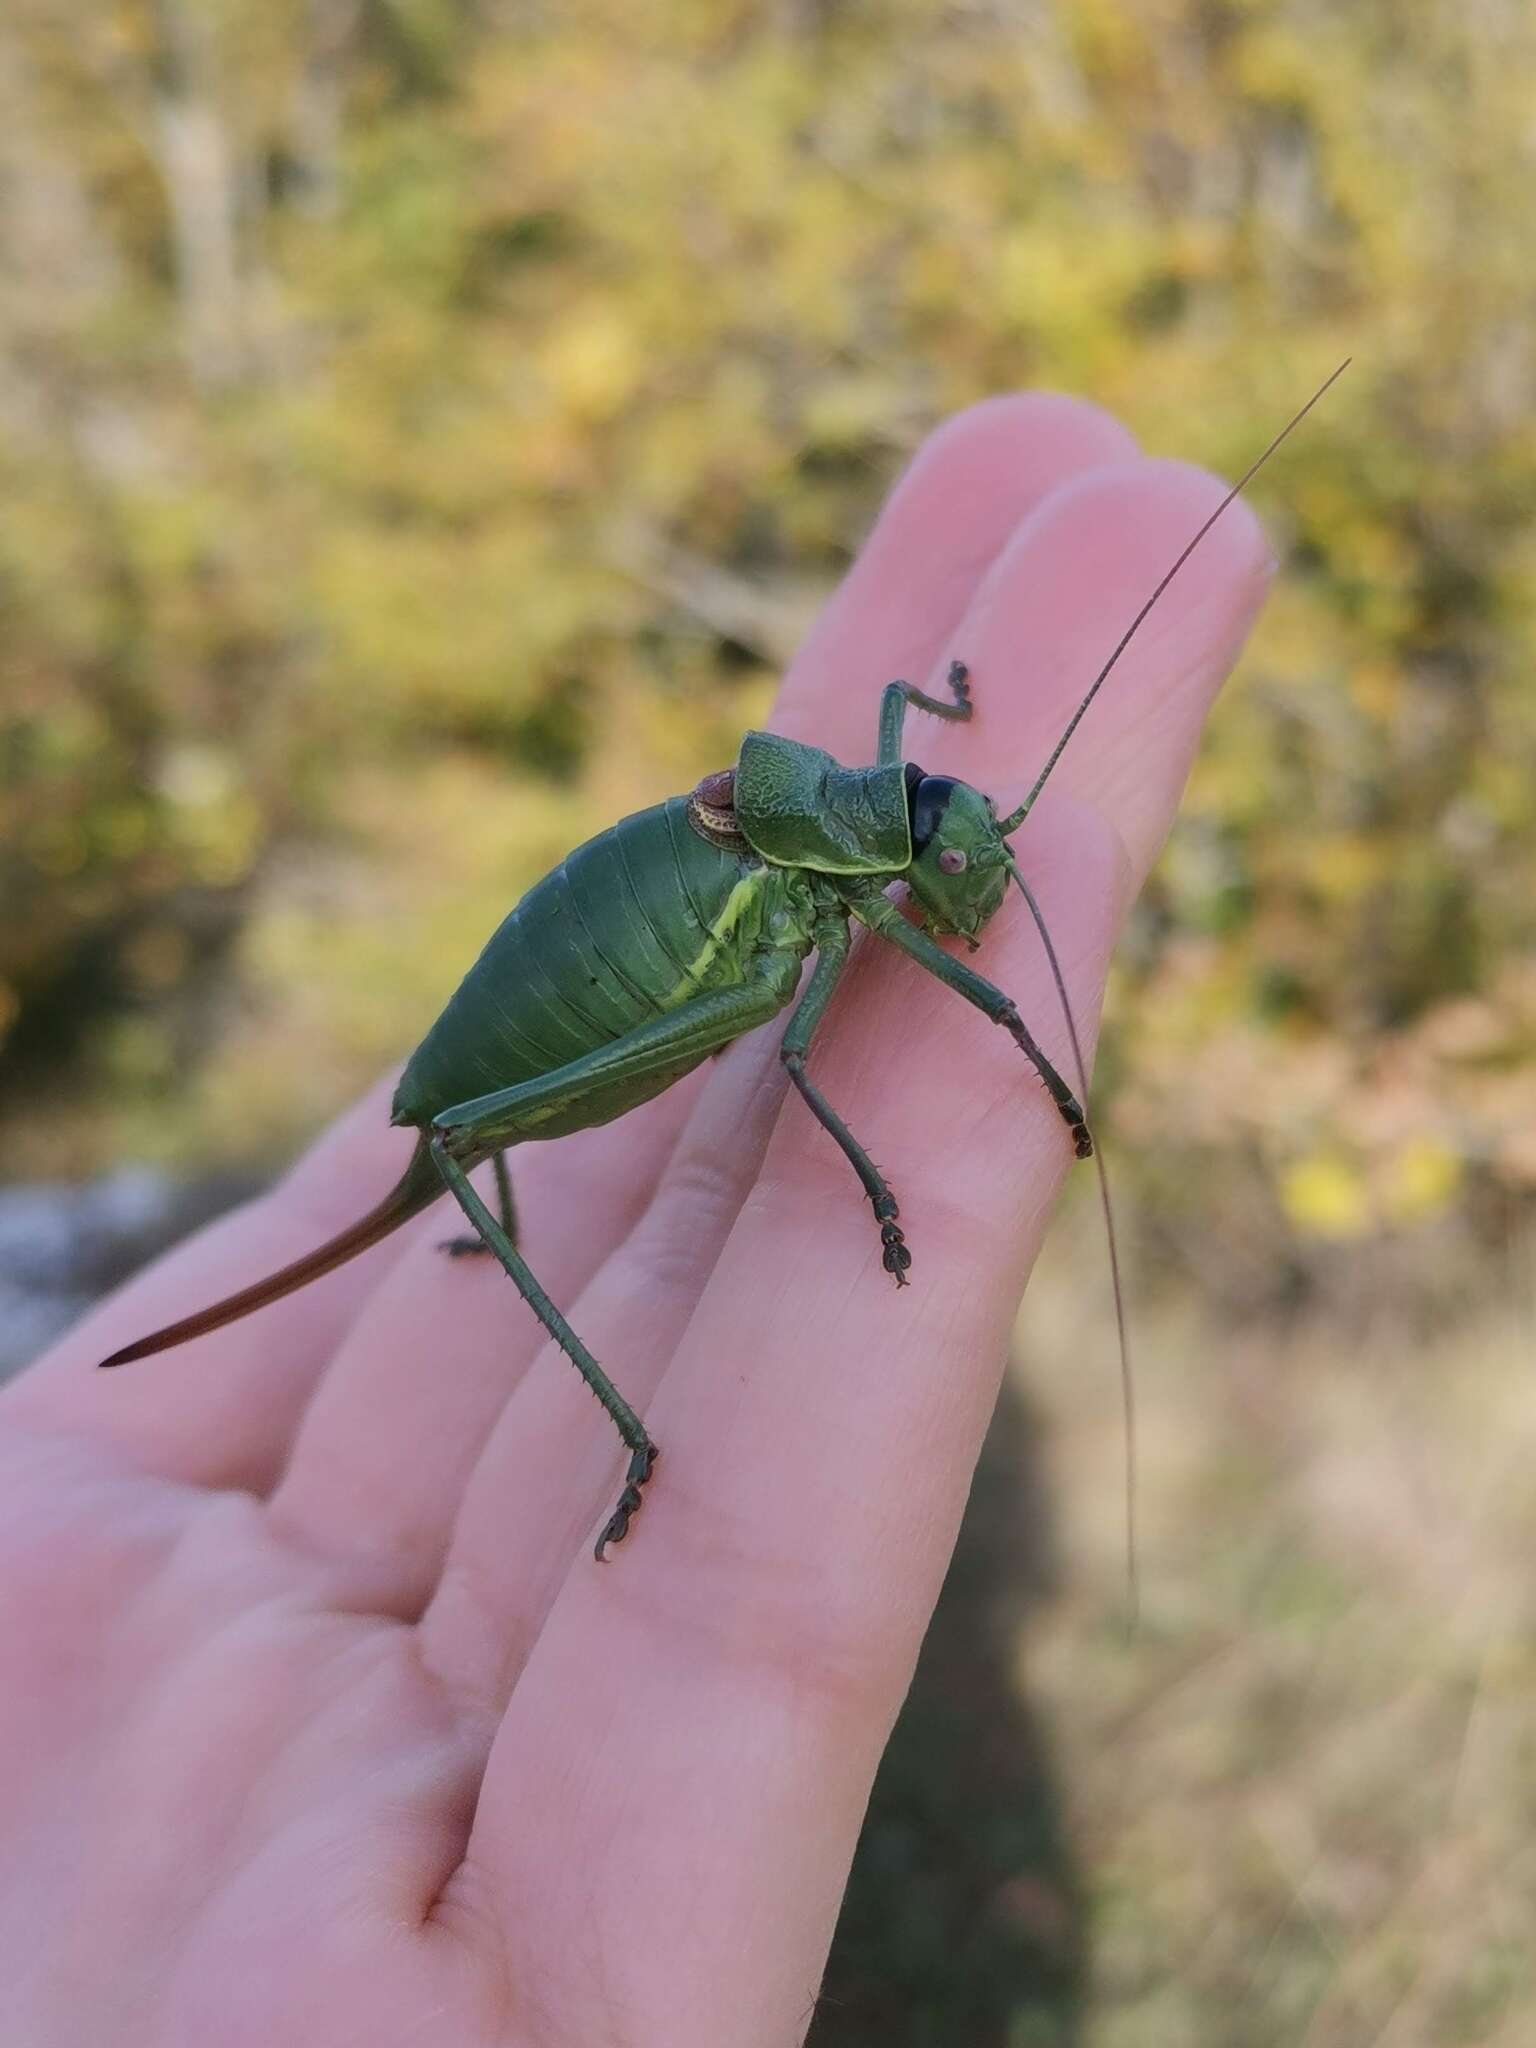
(321, 1723)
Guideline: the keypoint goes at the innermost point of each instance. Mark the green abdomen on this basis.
(628, 926)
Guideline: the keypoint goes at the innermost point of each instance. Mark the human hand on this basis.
(322, 1725)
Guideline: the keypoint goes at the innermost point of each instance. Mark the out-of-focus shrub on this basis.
(395, 397)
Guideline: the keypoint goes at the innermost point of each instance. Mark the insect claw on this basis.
(616, 1528)
(897, 1257)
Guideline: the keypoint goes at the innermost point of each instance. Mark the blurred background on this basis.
(427, 427)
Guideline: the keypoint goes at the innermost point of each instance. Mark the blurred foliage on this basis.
(426, 426)
(1304, 1789)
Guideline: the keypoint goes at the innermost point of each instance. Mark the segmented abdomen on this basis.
(620, 932)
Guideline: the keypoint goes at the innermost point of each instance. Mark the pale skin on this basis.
(321, 1725)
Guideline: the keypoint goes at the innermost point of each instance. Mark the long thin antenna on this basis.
(1016, 818)
(1127, 1378)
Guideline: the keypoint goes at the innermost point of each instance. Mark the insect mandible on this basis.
(669, 935)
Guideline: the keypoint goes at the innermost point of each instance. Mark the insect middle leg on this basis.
(831, 941)
(468, 1247)
(592, 1090)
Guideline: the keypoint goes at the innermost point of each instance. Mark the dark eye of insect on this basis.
(929, 800)
(952, 861)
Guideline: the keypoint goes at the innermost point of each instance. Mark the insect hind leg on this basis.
(631, 1429)
(471, 1246)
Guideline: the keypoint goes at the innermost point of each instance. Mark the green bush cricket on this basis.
(674, 932)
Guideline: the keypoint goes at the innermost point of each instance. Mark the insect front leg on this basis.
(468, 1247)
(883, 917)
(831, 941)
(897, 696)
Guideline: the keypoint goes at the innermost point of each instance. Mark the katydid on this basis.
(669, 935)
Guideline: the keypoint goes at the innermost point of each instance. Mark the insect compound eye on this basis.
(952, 861)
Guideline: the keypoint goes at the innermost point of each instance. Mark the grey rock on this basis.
(62, 1246)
